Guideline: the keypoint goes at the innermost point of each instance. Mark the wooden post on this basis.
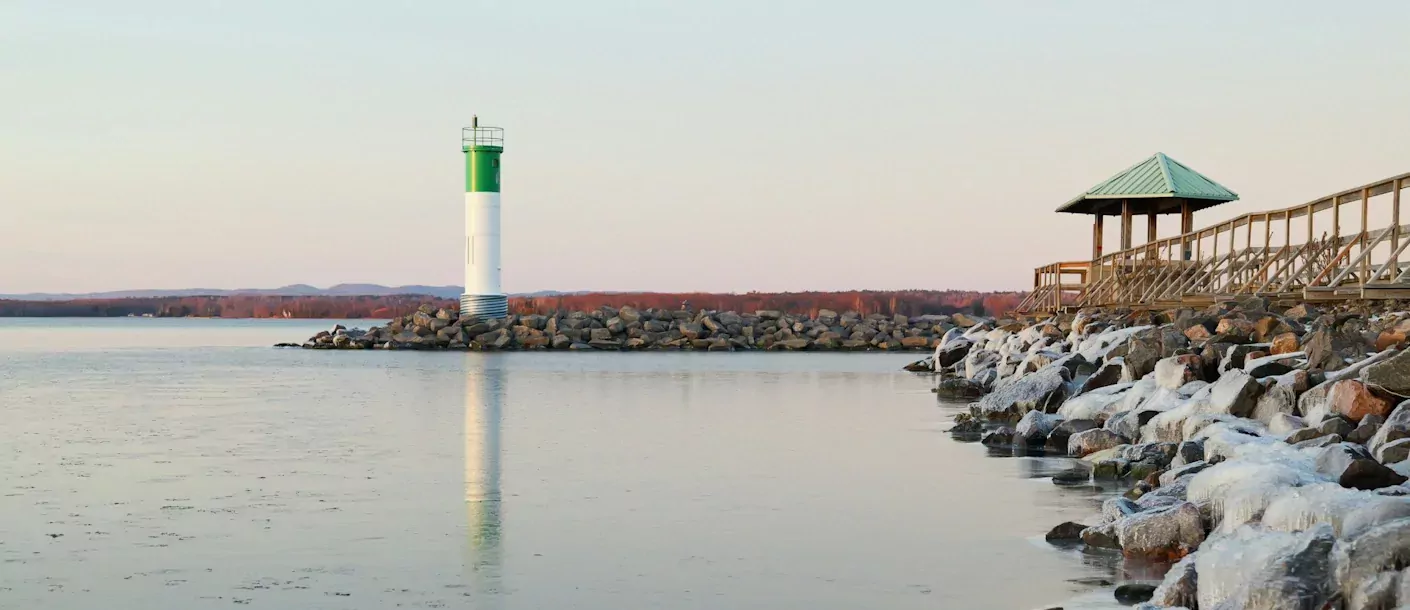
(1125, 224)
(1150, 227)
(1267, 241)
(1187, 222)
(1365, 211)
(1395, 225)
(1097, 238)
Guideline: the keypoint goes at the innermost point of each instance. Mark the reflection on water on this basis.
(484, 404)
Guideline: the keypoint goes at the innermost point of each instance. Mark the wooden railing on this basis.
(1346, 245)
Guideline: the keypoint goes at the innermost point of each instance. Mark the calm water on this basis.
(182, 464)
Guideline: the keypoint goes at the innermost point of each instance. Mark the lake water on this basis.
(183, 464)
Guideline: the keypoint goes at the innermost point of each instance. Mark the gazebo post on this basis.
(1187, 224)
(1096, 237)
(1125, 224)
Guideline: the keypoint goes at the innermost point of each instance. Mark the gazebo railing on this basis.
(1351, 244)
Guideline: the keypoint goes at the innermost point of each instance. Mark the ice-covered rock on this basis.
(1299, 508)
(1034, 428)
(1042, 389)
(1097, 347)
(1092, 441)
(1098, 404)
(1382, 547)
(1167, 532)
(1277, 399)
(1173, 372)
(1351, 465)
(1249, 483)
(1256, 569)
(1235, 393)
(1374, 511)
(1375, 593)
(1188, 470)
(1180, 586)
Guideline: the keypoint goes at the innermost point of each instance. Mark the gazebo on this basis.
(1155, 186)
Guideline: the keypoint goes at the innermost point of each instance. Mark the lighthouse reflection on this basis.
(484, 401)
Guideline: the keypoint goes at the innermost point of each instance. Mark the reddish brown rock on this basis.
(1390, 338)
(1285, 343)
(1235, 327)
(1197, 333)
(1355, 401)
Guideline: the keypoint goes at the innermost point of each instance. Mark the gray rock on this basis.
(1319, 442)
(1108, 374)
(1067, 532)
(1391, 375)
(1101, 536)
(1336, 425)
(958, 387)
(1379, 548)
(1041, 390)
(1001, 437)
(1179, 588)
(1188, 452)
(1174, 474)
(1088, 442)
(1034, 428)
(1352, 466)
(1277, 399)
(1298, 579)
(1235, 393)
(1373, 513)
(1375, 593)
(1134, 592)
(1364, 432)
(1166, 532)
(1394, 451)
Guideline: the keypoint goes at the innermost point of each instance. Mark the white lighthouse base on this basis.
(484, 305)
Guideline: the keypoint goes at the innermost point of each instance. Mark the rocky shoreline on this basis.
(630, 329)
(1264, 450)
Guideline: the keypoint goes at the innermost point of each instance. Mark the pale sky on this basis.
(730, 145)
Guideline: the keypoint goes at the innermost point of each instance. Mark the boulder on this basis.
(1375, 593)
(1285, 343)
(958, 387)
(1132, 593)
(1068, 532)
(1173, 372)
(1364, 432)
(1034, 428)
(1169, 533)
(1276, 400)
(1391, 375)
(1352, 466)
(952, 353)
(1235, 393)
(1106, 375)
(1281, 572)
(1379, 548)
(1393, 452)
(1174, 474)
(1353, 400)
(1001, 437)
(1101, 536)
(1092, 441)
(1179, 588)
(1061, 434)
(1044, 390)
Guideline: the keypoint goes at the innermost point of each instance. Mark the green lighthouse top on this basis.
(485, 139)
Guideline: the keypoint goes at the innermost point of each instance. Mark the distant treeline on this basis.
(905, 302)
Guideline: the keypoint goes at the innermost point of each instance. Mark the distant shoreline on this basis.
(355, 307)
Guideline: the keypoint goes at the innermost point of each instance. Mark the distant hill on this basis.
(293, 290)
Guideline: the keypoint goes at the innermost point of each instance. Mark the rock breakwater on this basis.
(628, 328)
(1264, 451)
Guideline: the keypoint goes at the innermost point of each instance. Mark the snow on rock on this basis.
(1299, 508)
(1098, 404)
(1257, 569)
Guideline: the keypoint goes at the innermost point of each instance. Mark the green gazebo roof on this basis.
(1157, 185)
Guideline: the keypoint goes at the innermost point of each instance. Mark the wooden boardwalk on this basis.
(1348, 245)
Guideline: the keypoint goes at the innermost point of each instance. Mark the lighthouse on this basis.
(484, 296)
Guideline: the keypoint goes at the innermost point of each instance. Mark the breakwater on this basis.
(1263, 451)
(628, 328)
